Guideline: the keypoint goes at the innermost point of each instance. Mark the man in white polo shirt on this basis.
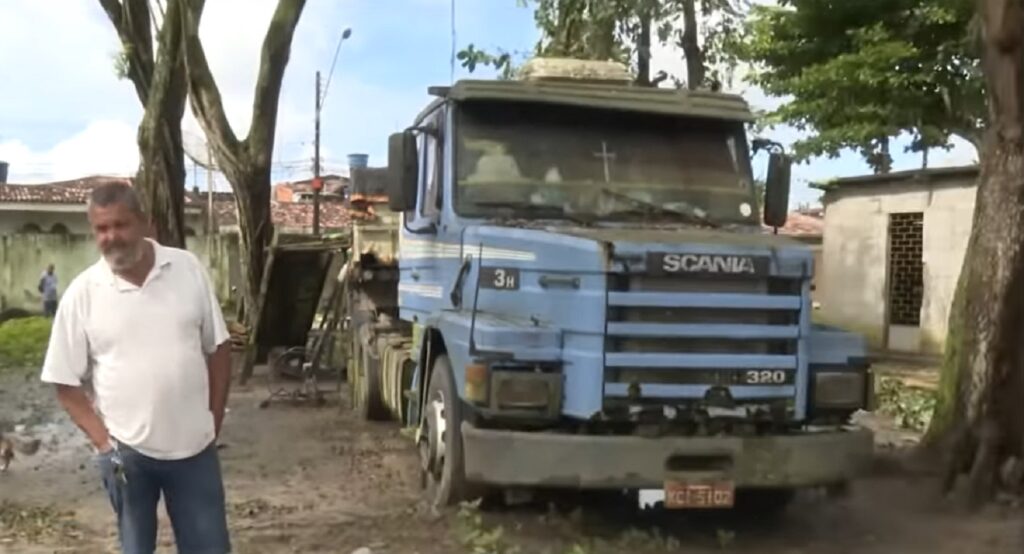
(140, 357)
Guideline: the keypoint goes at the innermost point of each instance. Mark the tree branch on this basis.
(113, 9)
(690, 44)
(166, 101)
(273, 61)
(204, 96)
(131, 21)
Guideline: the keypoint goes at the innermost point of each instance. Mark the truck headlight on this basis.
(840, 389)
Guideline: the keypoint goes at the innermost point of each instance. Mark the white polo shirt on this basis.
(143, 350)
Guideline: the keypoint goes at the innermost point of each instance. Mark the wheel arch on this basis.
(432, 345)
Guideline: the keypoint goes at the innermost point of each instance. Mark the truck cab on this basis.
(586, 297)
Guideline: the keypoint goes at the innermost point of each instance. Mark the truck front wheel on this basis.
(440, 445)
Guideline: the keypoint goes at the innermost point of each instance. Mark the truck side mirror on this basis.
(402, 174)
(776, 190)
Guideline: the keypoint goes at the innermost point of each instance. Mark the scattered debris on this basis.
(9, 445)
(258, 507)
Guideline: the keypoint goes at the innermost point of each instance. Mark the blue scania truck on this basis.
(573, 283)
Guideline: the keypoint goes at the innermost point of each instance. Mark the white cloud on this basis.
(962, 153)
(103, 147)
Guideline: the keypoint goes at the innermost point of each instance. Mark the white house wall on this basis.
(853, 279)
(73, 217)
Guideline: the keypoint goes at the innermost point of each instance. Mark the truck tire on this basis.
(364, 384)
(441, 454)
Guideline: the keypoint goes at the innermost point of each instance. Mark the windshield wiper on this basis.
(692, 213)
(535, 210)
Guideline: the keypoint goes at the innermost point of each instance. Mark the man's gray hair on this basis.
(109, 194)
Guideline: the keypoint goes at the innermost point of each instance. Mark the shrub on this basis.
(23, 342)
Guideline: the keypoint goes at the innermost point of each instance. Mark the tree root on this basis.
(982, 477)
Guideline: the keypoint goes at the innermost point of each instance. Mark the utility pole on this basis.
(317, 182)
(211, 224)
(317, 185)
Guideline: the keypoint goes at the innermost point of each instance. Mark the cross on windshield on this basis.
(605, 156)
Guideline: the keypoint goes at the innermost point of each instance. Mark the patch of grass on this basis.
(911, 407)
(23, 342)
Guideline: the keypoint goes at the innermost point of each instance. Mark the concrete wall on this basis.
(853, 278)
(24, 256)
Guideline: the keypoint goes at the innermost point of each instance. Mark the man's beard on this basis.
(123, 256)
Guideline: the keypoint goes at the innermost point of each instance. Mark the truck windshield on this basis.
(543, 162)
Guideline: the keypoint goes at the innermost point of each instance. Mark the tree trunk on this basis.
(256, 230)
(246, 163)
(159, 81)
(643, 46)
(690, 43)
(980, 417)
(160, 181)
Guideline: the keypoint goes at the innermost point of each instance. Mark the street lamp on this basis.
(320, 97)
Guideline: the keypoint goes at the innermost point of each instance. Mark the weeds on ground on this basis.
(476, 537)
(23, 343)
(910, 407)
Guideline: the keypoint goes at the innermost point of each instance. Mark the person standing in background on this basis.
(48, 288)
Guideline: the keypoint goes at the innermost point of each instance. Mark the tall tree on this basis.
(980, 414)
(857, 74)
(159, 81)
(246, 163)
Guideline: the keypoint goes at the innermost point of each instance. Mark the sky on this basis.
(64, 113)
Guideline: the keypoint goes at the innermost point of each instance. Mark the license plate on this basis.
(716, 494)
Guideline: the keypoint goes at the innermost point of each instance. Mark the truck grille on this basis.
(677, 336)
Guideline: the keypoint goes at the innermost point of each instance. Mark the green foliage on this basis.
(911, 407)
(23, 342)
(476, 537)
(857, 73)
(502, 62)
(122, 62)
(611, 30)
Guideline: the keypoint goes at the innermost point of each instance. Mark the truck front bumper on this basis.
(513, 458)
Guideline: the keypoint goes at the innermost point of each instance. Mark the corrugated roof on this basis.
(333, 215)
(803, 225)
(75, 191)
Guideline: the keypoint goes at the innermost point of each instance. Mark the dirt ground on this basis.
(304, 479)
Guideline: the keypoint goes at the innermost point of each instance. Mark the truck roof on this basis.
(713, 105)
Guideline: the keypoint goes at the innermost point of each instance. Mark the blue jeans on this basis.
(193, 493)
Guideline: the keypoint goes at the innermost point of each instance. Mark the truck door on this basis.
(421, 248)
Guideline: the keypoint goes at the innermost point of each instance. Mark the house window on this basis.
(59, 229)
(906, 268)
(30, 228)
